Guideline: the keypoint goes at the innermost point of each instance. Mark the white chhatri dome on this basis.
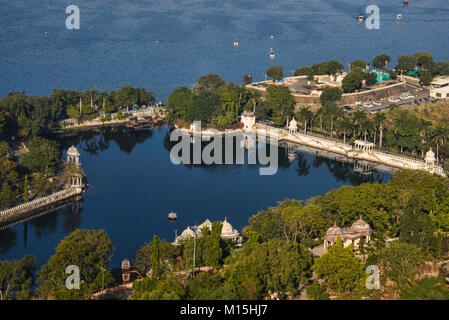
(227, 227)
(360, 224)
(227, 231)
(334, 230)
(207, 224)
(187, 233)
(73, 151)
(293, 124)
(430, 156)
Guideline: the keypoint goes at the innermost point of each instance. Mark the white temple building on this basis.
(349, 236)
(227, 232)
(248, 119)
(293, 126)
(73, 155)
(76, 180)
(430, 157)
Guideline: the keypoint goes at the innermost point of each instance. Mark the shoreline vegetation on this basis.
(275, 261)
(278, 258)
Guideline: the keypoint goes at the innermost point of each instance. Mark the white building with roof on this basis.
(227, 232)
(293, 126)
(440, 82)
(349, 236)
(440, 93)
(73, 155)
(248, 119)
(430, 157)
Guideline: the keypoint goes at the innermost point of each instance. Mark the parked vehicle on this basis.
(393, 99)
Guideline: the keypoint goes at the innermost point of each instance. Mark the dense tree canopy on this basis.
(381, 61)
(341, 270)
(352, 82)
(89, 250)
(43, 155)
(16, 278)
(210, 81)
(275, 72)
(281, 102)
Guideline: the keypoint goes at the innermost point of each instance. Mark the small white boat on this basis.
(360, 19)
(236, 43)
(172, 216)
(399, 17)
(271, 52)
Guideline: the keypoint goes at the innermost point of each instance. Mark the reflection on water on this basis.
(133, 185)
(98, 140)
(294, 155)
(43, 223)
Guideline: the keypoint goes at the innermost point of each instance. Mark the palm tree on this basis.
(358, 117)
(319, 113)
(344, 126)
(379, 120)
(425, 132)
(365, 125)
(440, 135)
(331, 112)
(305, 115)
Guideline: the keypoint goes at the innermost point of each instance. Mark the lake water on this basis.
(165, 44)
(133, 185)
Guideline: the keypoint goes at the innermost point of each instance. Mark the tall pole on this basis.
(194, 250)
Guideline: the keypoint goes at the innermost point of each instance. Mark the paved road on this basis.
(421, 96)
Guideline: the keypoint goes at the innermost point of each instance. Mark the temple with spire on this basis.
(227, 232)
(349, 236)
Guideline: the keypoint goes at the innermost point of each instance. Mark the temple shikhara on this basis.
(349, 236)
(227, 232)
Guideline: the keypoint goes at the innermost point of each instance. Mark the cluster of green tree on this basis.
(219, 104)
(275, 72)
(9, 177)
(89, 250)
(331, 67)
(413, 206)
(251, 273)
(425, 64)
(39, 163)
(421, 61)
(28, 115)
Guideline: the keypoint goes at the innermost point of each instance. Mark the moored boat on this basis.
(172, 216)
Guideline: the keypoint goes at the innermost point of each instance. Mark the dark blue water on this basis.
(116, 44)
(134, 185)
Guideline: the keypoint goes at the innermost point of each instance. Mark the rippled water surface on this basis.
(164, 44)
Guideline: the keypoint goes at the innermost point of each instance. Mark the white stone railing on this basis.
(39, 203)
(396, 161)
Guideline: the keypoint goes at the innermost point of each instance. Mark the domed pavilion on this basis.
(430, 157)
(227, 232)
(349, 236)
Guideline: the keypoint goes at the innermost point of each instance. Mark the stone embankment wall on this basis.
(140, 114)
(38, 203)
(373, 95)
(396, 161)
(349, 98)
